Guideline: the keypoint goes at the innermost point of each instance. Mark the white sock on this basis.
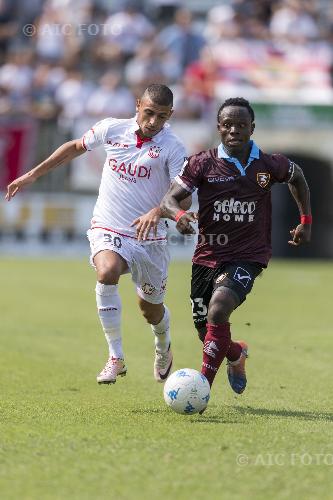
(162, 332)
(109, 312)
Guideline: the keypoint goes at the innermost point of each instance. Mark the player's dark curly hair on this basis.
(159, 94)
(236, 101)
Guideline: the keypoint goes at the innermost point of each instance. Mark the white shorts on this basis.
(148, 262)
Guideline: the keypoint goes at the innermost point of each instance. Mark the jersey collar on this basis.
(254, 155)
(156, 138)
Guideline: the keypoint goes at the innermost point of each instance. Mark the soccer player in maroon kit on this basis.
(234, 218)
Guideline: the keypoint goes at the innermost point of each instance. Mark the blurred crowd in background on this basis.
(62, 59)
(65, 64)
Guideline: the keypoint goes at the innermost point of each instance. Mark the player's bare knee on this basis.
(109, 266)
(107, 276)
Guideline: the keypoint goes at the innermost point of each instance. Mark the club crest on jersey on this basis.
(154, 151)
(263, 179)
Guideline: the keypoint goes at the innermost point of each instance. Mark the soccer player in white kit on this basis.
(126, 234)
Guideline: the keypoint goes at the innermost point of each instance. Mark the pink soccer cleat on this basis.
(162, 365)
(113, 368)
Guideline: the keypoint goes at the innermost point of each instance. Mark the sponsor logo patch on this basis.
(236, 210)
(214, 179)
(263, 179)
(210, 347)
(242, 276)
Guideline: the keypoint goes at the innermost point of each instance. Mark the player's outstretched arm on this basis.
(64, 154)
(301, 193)
(171, 208)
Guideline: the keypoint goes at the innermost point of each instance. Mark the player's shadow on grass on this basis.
(206, 418)
(215, 419)
(239, 414)
(302, 415)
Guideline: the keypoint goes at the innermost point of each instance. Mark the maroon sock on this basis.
(215, 348)
(234, 351)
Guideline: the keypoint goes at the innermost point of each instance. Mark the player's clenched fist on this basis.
(301, 234)
(183, 225)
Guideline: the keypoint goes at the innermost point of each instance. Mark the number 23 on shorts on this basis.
(198, 307)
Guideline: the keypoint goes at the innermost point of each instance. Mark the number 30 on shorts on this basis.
(113, 240)
(198, 307)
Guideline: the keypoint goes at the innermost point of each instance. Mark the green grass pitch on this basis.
(65, 437)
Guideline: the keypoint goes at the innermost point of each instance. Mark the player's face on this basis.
(151, 117)
(236, 128)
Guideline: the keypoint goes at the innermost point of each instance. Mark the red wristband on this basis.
(179, 215)
(306, 219)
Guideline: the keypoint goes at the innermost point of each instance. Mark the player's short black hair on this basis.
(159, 94)
(236, 101)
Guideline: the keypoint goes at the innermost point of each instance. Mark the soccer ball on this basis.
(187, 391)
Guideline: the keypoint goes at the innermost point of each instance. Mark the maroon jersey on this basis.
(234, 204)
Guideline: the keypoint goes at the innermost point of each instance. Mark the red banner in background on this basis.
(17, 149)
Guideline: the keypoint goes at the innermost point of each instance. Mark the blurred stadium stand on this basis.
(65, 64)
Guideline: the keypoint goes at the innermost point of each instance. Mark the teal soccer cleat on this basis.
(236, 370)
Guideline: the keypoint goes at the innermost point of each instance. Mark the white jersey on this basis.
(135, 176)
